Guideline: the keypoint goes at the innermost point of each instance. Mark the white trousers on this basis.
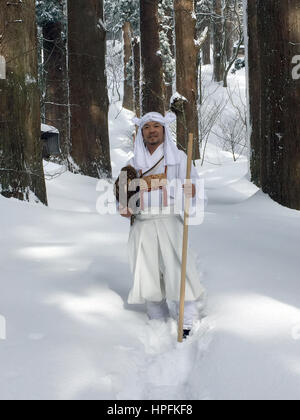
(155, 254)
(161, 310)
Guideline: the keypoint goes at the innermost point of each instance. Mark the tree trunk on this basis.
(218, 39)
(21, 168)
(88, 89)
(169, 80)
(204, 10)
(152, 71)
(229, 27)
(255, 89)
(56, 80)
(274, 36)
(128, 82)
(170, 37)
(206, 46)
(186, 76)
(137, 69)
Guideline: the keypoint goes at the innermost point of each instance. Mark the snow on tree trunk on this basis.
(128, 82)
(184, 103)
(152, 70)
(204, 20)
(137, 70)
(56, 81)
(88, 89)
(169, 77)
(274, 90)
(21, 169)
(206, 46)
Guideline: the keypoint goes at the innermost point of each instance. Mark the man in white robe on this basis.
(156, 237)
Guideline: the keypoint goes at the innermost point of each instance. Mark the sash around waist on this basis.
(156, 213)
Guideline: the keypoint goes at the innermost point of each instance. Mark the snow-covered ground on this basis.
(65, 278)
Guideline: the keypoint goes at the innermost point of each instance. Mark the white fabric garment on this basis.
(158, 310)
(176, 162)
(156, 237)
(161, 310)
(155, 253)
(176, 175)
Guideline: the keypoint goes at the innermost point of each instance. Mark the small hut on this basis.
(51, 141)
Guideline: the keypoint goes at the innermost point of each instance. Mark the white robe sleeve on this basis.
(200, 198)
(183, 167)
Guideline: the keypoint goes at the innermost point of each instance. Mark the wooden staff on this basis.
(185, 242)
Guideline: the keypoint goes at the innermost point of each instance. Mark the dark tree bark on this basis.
(128, 82)
(218, 40)
(274, 35)
(56, 81)
(21, 169)
(88, 89)
(152, 71)
(137, 69)
(186, 76)
(255, 88)
(206, 46)
(229, 29)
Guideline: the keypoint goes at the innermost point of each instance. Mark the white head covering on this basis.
(141, 154)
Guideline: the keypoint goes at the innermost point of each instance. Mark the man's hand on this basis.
(189, 190)
(125, 212)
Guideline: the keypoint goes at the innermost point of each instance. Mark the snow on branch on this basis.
(200, 41)
(101, 25)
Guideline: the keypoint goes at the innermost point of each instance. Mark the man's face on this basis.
(153, 133)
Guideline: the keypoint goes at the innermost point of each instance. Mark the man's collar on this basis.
(158, 148)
